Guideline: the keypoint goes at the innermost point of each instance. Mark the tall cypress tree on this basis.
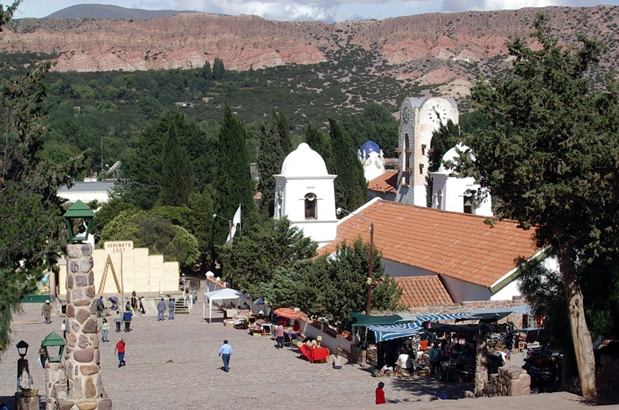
(274, 146)
(350, 186)
(320, 143)
(177, 179)
(233, 182)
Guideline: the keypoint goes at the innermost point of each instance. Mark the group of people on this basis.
(161, 306)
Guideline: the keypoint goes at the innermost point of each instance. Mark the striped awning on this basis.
(384, 333)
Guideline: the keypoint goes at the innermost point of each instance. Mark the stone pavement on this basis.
(174, 364)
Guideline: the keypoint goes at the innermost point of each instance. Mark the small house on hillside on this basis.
(442, 257)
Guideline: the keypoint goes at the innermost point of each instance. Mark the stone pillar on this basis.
(481, 366)
(82, 350)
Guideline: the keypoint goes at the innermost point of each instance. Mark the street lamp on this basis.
(54, 342)
(78, 219)
(368, 305)
(22, 348)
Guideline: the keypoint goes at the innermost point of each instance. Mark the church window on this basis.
(310, 206)
(468, 202)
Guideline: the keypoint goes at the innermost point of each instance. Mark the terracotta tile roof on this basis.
(418, 291)
(387, 182)
(458, 245)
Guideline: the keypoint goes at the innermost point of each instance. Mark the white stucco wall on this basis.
(508, 292)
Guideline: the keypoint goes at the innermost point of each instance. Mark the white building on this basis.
(87, 192)
(419, 118)
(305, 194)
(458, 194)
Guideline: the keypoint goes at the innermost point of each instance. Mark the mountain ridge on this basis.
(445, 49)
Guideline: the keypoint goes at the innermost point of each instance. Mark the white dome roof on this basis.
(452, 155)
(304, 161)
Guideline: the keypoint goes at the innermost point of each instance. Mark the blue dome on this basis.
(369, 147)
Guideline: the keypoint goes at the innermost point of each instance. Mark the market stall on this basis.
(223, 294)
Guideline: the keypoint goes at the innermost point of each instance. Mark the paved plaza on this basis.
(174, 365)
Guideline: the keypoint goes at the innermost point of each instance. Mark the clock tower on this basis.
(419, 118)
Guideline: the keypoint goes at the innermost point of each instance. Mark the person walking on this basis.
(171, 309)
(120, 349)
(63, 328)
(105, 327)
(225, 351)
(127, 319)
(117, 320)
(100, 306)
(161, 310)
(279, 334)
(42, 356)
(46, 311)
(380, 394)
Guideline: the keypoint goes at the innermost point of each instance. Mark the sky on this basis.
(294, 10)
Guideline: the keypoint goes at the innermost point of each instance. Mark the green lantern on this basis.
(79, 219)
(54, 347)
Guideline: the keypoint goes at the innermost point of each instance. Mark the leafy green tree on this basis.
(374, 123)
(143, 163)
(350, 185)
(233, 182)
(260, 249)
(444, 138)
(159, 235)
(177, 178)
(549, 156)
(107, 213)
(32, 230)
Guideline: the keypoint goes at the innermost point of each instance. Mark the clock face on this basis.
(406, 114)
(437, 114)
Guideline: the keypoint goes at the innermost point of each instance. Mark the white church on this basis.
(425, 247)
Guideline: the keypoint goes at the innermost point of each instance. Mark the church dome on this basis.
(304, 161)
(451, 155)
(368, 147)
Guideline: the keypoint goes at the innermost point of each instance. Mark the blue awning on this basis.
(384, 333)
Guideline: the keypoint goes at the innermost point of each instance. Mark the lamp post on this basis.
(52, 344)
(22, 363)
(368, 305)
(78, 219)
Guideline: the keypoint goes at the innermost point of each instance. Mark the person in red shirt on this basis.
(120, 349)
(380, 394)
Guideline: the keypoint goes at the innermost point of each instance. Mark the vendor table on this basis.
(314, 354)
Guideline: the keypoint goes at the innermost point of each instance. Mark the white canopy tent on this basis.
(222, 294)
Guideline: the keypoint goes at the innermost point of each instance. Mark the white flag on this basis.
(236, 220)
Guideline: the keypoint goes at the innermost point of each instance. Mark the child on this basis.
(104, 329)
(380, 394)
(117, 319)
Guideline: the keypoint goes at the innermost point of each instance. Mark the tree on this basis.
(374, 123)
(32, 232)
(159, 235)
(207, 73)
(320, 143)
(233, 182)
(219, 72)
(143, 163)
(260, 249)
(274, 146)
(177, 178)
(550, 157)
(444, 138)
(350, 185)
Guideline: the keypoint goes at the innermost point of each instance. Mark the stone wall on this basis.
(509, 381)
(516, 318)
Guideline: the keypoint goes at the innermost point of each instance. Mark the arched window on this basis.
(310, 206)
(468, 201)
